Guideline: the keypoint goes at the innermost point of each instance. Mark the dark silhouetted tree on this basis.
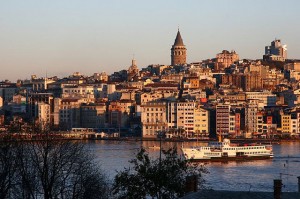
(165, 178)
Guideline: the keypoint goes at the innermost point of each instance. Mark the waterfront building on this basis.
(222, 119)
(234, 124)
(69, 113)
(201, 122)
(251, 118)
(297, 115)
(93, 115)
(43, 115)
(178, 51)
(260, 125)
(286, 122)
(153, 118)
(185, 117)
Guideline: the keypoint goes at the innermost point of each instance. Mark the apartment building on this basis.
(222, 119)
(266, 97)
(43, 115)
(225, 59)
(185, 117)
(93, 115)
(201, 122)
(69, 113)
(251, 118)
(153, 118)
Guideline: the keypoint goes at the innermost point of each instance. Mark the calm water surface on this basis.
(244, 176)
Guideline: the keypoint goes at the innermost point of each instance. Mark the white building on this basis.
(43, 115)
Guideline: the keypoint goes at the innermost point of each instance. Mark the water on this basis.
(255, 175)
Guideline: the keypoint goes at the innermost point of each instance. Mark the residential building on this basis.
(222, 119)
(251, 111)
(185, 117)
(93, 115)
(251, 81)
(201, 122)
(225, 59)
(153, 118)
(43, 115)
(265, 97)
(69, 113)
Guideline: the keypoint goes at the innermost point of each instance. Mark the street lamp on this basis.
(160, 135)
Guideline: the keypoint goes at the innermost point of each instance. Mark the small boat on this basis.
(224, 151)
(154, 147)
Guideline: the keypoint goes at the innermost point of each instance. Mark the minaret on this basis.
(178, 51)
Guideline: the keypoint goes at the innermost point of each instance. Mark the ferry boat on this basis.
(224, 151)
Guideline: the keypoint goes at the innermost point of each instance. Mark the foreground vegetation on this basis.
(49, 169)
(52, 168)
(158, 178)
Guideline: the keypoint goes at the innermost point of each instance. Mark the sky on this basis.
(59, 37)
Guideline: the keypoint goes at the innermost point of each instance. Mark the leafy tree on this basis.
(158, 178)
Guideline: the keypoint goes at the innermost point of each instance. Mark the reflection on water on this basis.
(251, 175)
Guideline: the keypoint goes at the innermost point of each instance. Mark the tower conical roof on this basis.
(178, 40)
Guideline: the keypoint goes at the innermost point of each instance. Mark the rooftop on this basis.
(178, 40)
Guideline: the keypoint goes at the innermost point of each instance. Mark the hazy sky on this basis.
(63, 36)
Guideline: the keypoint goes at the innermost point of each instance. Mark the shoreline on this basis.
(140, 139)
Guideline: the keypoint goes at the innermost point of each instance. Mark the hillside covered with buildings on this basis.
(224, 95)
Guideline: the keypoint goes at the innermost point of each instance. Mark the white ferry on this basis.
(224, 151)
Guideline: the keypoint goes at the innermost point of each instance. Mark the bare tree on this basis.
(53, 169)
(50, 169)
(8, 169)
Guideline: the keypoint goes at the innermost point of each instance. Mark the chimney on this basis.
(277, 188)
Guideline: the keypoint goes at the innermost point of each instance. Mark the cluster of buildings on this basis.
(224, 95)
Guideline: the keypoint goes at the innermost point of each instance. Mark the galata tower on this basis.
(178, 51)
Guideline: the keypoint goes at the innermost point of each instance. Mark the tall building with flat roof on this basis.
(276, 51)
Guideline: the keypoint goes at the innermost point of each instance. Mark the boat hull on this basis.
(226, 159)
